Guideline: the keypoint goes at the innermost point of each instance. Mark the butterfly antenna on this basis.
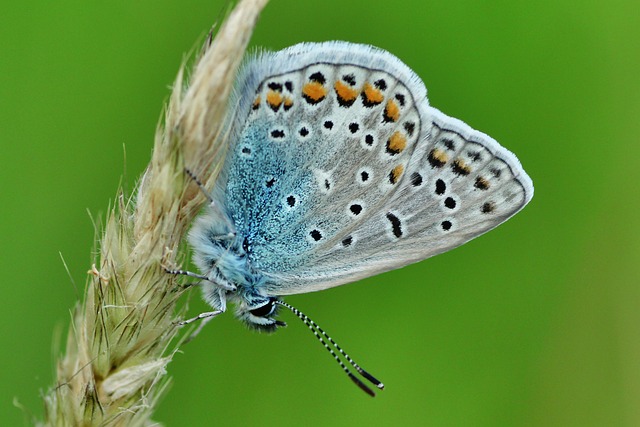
(320, 333)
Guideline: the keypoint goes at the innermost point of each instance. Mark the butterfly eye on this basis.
(264, 310)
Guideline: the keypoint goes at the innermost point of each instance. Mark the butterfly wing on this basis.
(340, 170)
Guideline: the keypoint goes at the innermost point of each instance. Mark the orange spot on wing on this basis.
(460, 167)
(274, 99)
(256, 102)
(481, 183)
(396, 143)
(372, 96)
(391, 111)
(439, 156)
(345, 92)
(396, 173)
(314, 92)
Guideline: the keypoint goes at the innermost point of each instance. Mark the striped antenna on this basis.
(319, 333)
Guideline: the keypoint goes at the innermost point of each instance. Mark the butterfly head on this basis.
(260, 314)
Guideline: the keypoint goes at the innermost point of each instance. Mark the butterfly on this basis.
(339, 169)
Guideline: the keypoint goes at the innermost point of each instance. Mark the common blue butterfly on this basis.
(338, 169)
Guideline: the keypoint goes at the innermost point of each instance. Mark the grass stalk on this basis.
(123, 334)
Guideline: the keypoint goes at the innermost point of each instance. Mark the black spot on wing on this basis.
(396, 224)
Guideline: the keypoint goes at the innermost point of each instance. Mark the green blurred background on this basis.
(537, 323)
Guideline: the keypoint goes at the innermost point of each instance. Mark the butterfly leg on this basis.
(199, 183)
(205, 317)
(212, 204)
(228, 236)
(216, 279)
